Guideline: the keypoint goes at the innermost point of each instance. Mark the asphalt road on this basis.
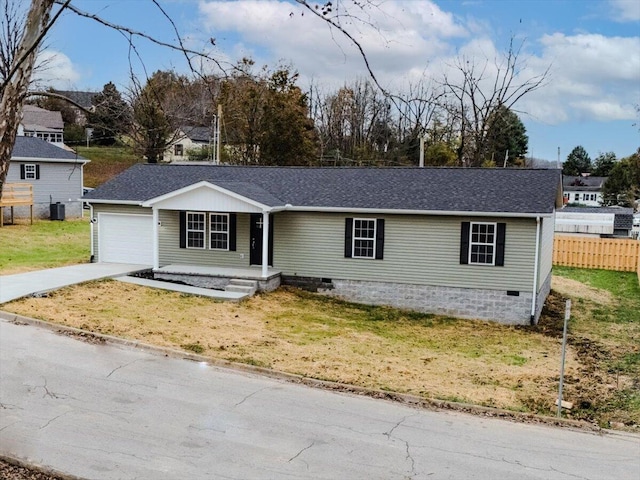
(114, 412)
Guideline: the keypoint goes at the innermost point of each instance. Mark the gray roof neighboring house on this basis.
(36, 118)
(81, 98)
(36, 149)
(513, 192)
(583, 184)
(197, 134)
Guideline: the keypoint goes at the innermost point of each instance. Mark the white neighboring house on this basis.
(595, 221)
(635, 230)
(584, 190)
(44, 124)
(188, 138)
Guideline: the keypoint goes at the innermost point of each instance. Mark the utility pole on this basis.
(218, 119)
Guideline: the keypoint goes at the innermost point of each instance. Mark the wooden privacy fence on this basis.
(13, 195)
(619, 254)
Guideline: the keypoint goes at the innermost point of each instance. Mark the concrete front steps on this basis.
(241, 285)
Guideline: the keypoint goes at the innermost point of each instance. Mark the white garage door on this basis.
(126, 238)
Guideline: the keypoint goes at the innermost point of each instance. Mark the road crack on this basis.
(301, 452)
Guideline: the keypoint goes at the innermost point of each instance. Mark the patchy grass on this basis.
(604, 331)
(106, 163)
(44, 244)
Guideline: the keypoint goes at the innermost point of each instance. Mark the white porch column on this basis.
(265, 244)
(156, 250)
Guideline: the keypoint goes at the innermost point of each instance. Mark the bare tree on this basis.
(480, 92)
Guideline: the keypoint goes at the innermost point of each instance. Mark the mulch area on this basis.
(13, 472)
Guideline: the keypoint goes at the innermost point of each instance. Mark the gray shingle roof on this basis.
(423, 189)
(197, 134)
(32, 147)
(33, 116)
(81, 98)
(617, 210)
(583, 184)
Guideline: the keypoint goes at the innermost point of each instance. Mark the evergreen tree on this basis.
(623, 183)
(603, 164)
(507, 137)
(578, 162)
(111, 116)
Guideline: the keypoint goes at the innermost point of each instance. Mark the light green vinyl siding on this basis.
(417, 249)
(171, 253)
(546, 249)
(110, 208)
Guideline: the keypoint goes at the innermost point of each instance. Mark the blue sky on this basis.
(592, 48)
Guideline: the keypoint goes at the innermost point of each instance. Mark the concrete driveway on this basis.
(30, 283)
(106, 411)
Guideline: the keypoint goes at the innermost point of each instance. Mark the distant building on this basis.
(188, 138)
(84, 99)
(595, 221)
(583, 190)
(44, 124)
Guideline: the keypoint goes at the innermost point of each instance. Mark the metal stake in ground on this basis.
(567, 315)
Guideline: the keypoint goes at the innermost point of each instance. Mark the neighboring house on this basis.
(585, 190)
(595, 221)
(188, 138)
(44, 124)
(84, 99)
(55, 173)
(474, 243)
(635, 230)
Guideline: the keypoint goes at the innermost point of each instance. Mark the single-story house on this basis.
(603, 222)
(474, 243)
(187, 138)
(54, 173)
(583, 189)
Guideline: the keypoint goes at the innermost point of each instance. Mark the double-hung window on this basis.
(30, 171)
(482, 244)
(219, 231)
(196, 227)
(364, 238)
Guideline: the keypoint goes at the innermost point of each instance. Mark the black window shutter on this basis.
(232, 232)
(348, 237)
(37, 172)
(464, 242)
(22, 174)
(379, 238)
(183, 229)
(500, 240)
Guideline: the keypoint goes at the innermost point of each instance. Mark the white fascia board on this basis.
(152, 201)
(456, 213)
(49, 160)
(112, 202)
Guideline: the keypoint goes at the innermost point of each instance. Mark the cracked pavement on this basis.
(105, 411)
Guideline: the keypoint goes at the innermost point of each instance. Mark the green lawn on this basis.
(106, 163)
(44, 244)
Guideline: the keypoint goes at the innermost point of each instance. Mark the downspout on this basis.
(156, 253)
(535, 273)
(265, 244)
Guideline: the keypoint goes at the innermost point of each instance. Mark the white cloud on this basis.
(54, 69)
(592, 76)
(626, 10)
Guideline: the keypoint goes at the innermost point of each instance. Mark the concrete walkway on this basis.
(176, 287)
(21, 285)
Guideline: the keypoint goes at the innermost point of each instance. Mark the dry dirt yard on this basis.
(435, 357)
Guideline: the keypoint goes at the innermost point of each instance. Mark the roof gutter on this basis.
(391, 211)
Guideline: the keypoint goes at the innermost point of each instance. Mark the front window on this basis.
(178, 150)
(219, 231)
(576, 197)
(482, 244)
(364, 238)
(29, 171)
(195, 229)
